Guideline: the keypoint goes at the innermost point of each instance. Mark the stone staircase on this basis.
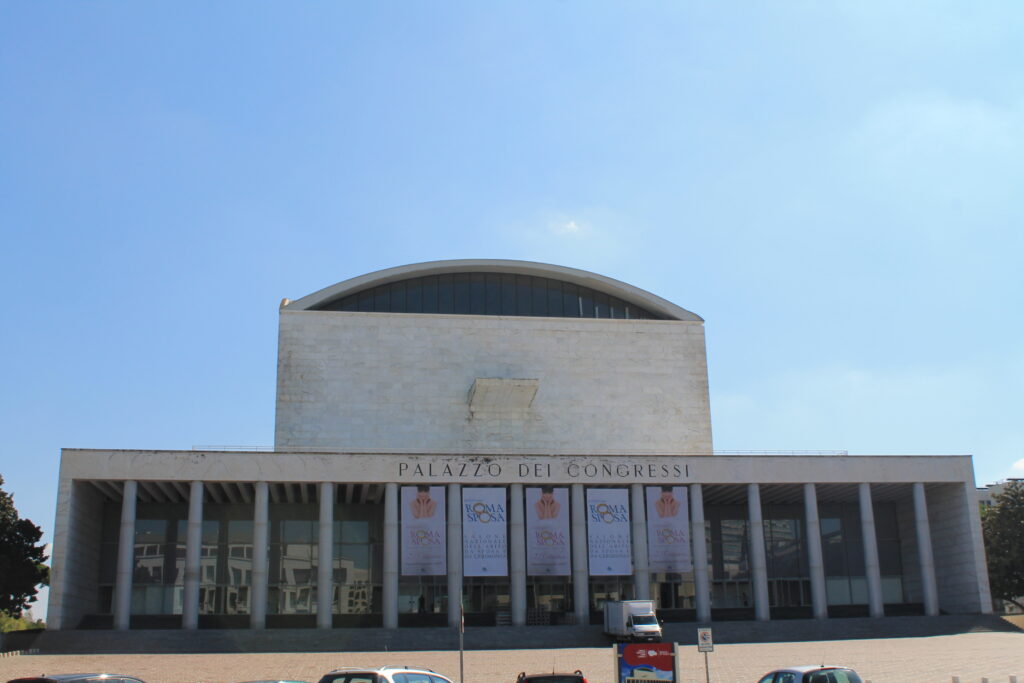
(494, 637)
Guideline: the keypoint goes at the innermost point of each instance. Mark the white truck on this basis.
(632, 620)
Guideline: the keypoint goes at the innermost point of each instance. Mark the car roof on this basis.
(807, 668)
(73, 677)
(382, 669)
(524, 675)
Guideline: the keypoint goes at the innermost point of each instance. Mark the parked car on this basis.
(78, 678)
(385, 674)
(575, 677)
(812, 674)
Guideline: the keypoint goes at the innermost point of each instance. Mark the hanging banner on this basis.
(668, 529)
(484, 532)
(424, 551)
(547, 531)
(608, 539)
(645, 662)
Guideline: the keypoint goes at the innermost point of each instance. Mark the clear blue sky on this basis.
(834, 187)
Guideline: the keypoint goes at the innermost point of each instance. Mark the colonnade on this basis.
(517, 553)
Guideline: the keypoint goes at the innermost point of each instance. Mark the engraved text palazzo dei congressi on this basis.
(560, 469)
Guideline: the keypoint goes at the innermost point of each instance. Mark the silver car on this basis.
(385, 674)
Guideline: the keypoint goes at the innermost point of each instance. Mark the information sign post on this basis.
(705, 644)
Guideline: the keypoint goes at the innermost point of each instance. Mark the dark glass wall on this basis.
(489, 294)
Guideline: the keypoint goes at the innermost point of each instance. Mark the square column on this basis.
(193, 553)
(454, 555)
(815, 561)
(580, 567)
(260, 548)
(125, 557)
(924, 551)
(758, 561)
(517, 554)
(325, 560)
(390, 590)
(638, 520)
(872, 572)
(700, 554)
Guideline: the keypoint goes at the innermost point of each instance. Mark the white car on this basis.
(385, 674)
(812, 674)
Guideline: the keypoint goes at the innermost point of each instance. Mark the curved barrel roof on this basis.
(628, 293)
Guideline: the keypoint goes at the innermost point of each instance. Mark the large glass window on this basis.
(225, 563)
(730, 556)
(843, 552)
(788, 574)
(158, 574)
(489, 294)
(294, 544)
(358, 557)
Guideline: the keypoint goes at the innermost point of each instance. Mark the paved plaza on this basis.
(971, 656)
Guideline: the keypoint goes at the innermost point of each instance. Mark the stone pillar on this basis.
(924, 551)
(325, 559)
(700, 554)
(391, 568)
(758, 563)
(815, 561)
(125, 558)
(638, 519)
(580, 569)
(193, 557)
(872, 571)
(517, 554)
(260, 548)
(454, 554)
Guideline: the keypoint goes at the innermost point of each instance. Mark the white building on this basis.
(498, 381)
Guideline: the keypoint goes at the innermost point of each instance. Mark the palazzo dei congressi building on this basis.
(528, 439)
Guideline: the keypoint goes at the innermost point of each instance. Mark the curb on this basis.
(15, 653)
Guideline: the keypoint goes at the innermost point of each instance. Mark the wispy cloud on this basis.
(567, 227)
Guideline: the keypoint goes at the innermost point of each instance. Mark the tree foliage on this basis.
(21, 559)
(1003, 526)
(22, 623)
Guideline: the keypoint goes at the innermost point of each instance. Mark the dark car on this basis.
(812, 674)
(78, 678)
(575, 677)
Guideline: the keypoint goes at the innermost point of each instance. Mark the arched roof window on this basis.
(488, 294)
(492, 287)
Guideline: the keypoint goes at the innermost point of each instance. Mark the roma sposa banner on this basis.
(668, 529)
(548, 549)
(424, 550)
(484, 532)
(608, 539)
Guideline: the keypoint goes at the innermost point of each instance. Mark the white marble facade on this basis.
(369, 401)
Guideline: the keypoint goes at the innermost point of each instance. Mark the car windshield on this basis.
(644, 620)
(349, 677)
(833, 676)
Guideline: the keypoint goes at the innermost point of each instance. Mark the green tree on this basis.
(21, 560)
(22, 623)
(1003, 526)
